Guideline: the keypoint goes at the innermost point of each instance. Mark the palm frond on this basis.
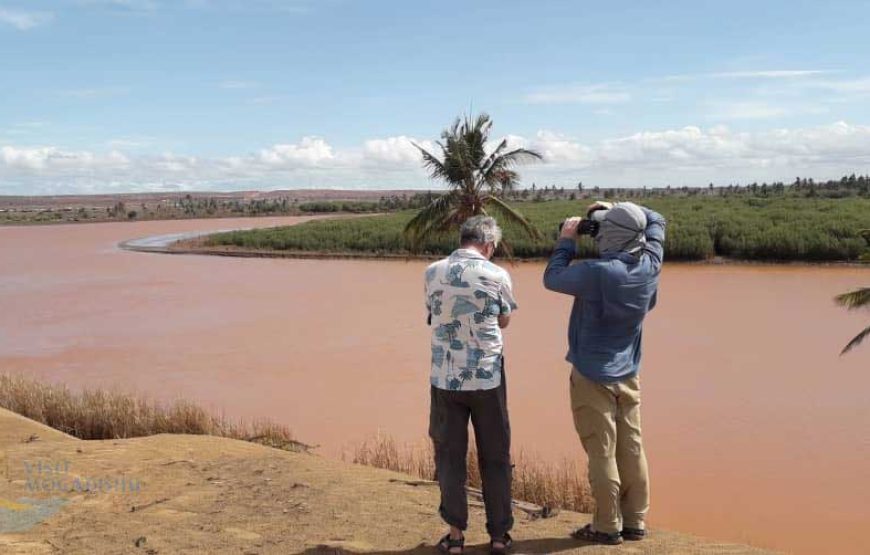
(858, 298)
(482, 171)
(513, 157)
(492, 174)
(508, 214)
(437, 216)
(856, 341)
(476, 135)
(458, 158)
(432, 163)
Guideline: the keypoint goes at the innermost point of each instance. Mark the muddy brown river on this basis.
(756, 430)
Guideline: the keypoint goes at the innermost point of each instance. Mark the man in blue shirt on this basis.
(612, 295)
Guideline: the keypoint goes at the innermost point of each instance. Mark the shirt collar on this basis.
(467, 253)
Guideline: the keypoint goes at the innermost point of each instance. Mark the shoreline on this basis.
(192, 244)
(208, 493)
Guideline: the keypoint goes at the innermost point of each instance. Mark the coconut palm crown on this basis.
(476, 179)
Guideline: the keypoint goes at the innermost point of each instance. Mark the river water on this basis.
(756, 430)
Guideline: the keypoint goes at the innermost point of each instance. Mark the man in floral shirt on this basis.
(469, 300)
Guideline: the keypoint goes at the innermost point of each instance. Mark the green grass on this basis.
(773, 228)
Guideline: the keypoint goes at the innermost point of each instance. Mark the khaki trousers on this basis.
(607, 419)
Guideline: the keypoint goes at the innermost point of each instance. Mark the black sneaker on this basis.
(633, 534)
(587, 534)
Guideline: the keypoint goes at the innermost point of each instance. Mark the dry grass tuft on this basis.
(555, 485)
(102, 414)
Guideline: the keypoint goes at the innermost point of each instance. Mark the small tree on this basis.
(476, 178)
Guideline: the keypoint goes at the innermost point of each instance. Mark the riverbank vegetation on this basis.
(103, 414)
(555, 485)
(778, 227)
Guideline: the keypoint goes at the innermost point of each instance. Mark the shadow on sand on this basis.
(537, 546)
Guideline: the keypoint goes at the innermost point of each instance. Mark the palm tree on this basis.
(859, 298)
(476, 180)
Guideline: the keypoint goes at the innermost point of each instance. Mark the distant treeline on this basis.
(776, 227)
(384, 204)
(847, 186)
(205, 206)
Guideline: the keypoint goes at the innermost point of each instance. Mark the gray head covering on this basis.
(622, 228)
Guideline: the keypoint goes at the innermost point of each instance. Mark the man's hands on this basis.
(599, 204)
(569, 228)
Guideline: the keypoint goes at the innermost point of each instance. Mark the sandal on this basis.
(633, 534)
(592, 536)
(507, 541)
(447, 543)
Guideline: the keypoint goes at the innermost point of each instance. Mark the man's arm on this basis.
(507, 302)
(560, 276)
(655, 234)
(427, 277)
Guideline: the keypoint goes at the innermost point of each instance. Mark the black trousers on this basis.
(448, 428)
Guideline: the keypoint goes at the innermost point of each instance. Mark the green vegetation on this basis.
(785, 227)
(476, 180)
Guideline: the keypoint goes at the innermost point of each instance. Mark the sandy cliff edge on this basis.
(200, 494)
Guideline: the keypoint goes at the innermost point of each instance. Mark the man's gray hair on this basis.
(480, 230)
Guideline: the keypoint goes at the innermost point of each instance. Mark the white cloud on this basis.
(838, 144)
(858, 86)
(33, 124)
(285, 6)
(602, 93)
(267, 99)
(122, 143)
(239, 85)
(769, 74)
(24, 20)
(690, 155)
(557, 148)
(128, 5)
(749, 110)
(750, 74)
(52, 159)
(394, 150)
(94, 92)
(309, 152)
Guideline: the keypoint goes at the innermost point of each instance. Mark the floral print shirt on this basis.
(465, 294)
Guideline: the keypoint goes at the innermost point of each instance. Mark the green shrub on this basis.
(773, 228)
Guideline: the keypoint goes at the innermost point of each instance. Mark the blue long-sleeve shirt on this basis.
(612, 295)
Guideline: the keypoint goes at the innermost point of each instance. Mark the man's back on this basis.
(612, 296)
(465, 295)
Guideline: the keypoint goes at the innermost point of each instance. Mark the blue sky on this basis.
(115, 95)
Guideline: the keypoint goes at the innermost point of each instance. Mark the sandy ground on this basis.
(198, 494)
